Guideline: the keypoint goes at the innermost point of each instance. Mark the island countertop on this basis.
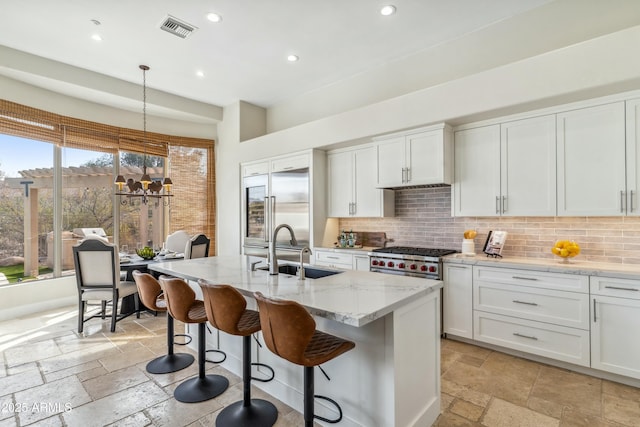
(354, 298)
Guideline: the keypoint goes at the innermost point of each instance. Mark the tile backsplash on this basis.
(423, 218)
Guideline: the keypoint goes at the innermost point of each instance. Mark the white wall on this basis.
(605, 65)
(35, 296)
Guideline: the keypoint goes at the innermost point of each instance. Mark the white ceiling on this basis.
(244, 56)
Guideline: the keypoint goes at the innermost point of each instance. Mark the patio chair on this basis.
(97, 267)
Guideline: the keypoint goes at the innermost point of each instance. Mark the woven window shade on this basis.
(192, 160)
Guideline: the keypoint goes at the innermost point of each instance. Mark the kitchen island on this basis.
(391, 378)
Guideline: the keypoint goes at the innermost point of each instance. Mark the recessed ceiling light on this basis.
(200, 73)
(214, 17)
(388, 10)
(292, 58)
(97, 37)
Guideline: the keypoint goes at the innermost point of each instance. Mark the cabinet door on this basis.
(591, 161)
(457, 298)
(361, 263)
(614, 326)
(476, 189)
(367, 198)
(340, 169)
(528, 167)
(425, 158)
(391, 163)
(633, 156)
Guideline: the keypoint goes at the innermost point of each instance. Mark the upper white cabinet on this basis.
(421, 157)
(633, 156)
(506, 169)
(352, 190)
(591, 161)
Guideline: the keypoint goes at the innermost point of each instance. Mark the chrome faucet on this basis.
(302, 252)
(273, 264)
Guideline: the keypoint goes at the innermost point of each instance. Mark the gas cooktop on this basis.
(408, 250)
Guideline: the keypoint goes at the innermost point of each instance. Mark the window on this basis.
(72, 164)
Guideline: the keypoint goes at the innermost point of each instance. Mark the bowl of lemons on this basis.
(566, 249)
(146, 253)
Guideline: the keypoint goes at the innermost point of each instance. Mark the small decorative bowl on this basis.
(146, 253)
(566, 249)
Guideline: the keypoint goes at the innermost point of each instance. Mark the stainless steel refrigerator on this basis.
(271, 200)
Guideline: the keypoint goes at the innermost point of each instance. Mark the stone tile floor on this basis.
(52, 376)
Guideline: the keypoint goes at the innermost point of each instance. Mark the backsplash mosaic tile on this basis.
(423, 218)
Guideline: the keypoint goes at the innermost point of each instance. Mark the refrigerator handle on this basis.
(267, 218)
(273, 216)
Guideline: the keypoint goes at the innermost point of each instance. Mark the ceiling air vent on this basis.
(177, 27)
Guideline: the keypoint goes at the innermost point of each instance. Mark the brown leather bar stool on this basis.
(290, 332)
(182, 305)
(151, 295)
(227, 311)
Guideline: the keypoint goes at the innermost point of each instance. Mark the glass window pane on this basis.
(26, 209)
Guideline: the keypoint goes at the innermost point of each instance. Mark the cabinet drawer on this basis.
(544, 305)
(624, 288)
(290, 163)
(552, 341)
(334, 258)
(536, 279)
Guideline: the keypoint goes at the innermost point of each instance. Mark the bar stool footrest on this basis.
(334, 403)
(264, 380)
(186, 342)
(224, 356)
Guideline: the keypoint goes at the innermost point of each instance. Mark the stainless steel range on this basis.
(409, 261)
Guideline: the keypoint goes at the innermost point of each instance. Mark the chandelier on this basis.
(145, 189)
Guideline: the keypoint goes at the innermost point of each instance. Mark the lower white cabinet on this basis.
(457, 300)
(615, 325)
(536, 312)
(338, 259)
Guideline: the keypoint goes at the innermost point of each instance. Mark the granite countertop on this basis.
(554, 265)
(352, 297)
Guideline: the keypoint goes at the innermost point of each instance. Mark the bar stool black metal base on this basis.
(200, 389)
(169, 363)
(259, 413)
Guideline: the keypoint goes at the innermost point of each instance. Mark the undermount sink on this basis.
(309, 272)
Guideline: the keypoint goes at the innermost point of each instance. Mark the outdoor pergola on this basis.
(34, 180)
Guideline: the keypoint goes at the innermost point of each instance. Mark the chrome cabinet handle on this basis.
(404, 175)
(354, 208)
(631, 201)
(524, 278)
(333, 257)
(408, 174)
(594, 311)
(621, 201)
(525, 336)
(524, 302)
(266, 219)
(622, 289)
(497, 204)
(504, 204)
(457, 266)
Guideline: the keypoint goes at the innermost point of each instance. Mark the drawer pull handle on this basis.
(333, 257)
(621, 289)
(525, 336)
(524, 302)
(524, 278)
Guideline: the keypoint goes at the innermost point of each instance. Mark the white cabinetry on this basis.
(421, 157)
(506, 169)
(535, 312)
(615, 322)
(341, 259)
(457, 297)
(591, 161)
(633, 156)
(352, 190)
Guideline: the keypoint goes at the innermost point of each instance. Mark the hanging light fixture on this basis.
(145, 188)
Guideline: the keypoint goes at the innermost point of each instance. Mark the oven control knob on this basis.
(432, 269)
(423, 268)
(390, 264)
(413, 266)
(401, 265)
(374, 262)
